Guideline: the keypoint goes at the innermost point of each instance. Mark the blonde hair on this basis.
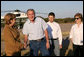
(8, 17)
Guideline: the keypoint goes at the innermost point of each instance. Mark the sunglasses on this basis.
(76, 18)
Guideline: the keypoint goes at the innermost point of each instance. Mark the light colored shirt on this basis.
(54, 31)
(76, 34)
(35, 30)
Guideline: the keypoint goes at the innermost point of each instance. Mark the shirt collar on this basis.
(50, 22)
(79, 25)
(29, 20)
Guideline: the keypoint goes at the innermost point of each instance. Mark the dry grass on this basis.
(25, 52)
(65, 34)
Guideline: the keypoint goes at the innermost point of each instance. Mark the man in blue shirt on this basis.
(35, 30)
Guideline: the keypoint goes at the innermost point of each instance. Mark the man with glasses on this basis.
(76, 35)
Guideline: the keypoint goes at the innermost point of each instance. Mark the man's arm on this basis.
(71, 35)
(60, 37)
(45, 26)
(25, 41)
(47, 39)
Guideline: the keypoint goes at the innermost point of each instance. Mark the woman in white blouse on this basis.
(76, 35)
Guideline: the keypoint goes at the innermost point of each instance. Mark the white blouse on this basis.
(76, 34)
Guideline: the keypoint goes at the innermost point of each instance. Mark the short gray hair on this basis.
(31, 10)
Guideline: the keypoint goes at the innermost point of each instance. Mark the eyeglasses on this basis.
(76, 18)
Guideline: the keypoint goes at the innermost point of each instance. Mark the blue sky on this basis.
(61, 9)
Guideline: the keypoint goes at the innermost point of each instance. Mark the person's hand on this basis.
(60, 46)
(25, 45)
(47, 45)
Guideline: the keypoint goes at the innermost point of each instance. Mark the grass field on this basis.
(67, 46)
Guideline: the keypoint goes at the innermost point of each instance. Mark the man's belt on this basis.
(38, 40)
(53, 39)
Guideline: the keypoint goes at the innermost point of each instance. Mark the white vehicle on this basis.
(2, 17)
(20, 14)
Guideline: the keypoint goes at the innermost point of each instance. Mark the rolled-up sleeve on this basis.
(25, 29)
(44, 25)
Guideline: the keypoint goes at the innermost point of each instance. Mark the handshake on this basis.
(25, 46)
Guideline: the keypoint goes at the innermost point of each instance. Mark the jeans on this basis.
(35, 46)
